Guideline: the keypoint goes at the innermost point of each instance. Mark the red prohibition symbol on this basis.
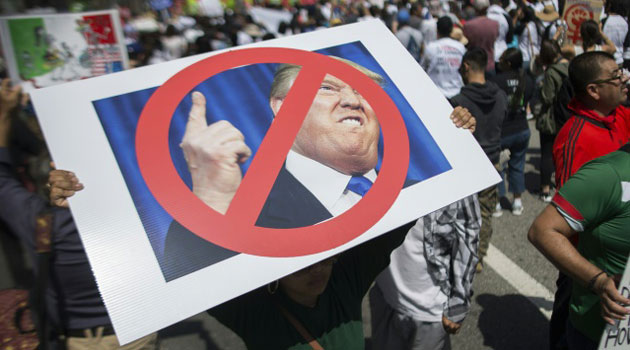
(236, 229)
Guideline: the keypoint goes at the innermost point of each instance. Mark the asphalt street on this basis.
(511, 301)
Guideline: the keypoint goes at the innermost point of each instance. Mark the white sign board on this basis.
(121, 134)
(618, 338)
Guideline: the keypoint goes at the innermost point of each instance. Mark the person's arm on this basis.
(590, 200)
(18, 205)
(550, 233)
(463, 258)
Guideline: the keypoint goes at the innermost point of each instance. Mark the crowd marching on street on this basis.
(503, 65)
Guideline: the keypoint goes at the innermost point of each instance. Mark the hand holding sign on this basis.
(62, 185)
(213, 154)
(611, 300)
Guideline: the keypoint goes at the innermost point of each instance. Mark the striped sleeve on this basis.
(569, 212)
(589, 196)
(569, 154)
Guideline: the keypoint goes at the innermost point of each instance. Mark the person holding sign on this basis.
(73, 305)
(594, 202)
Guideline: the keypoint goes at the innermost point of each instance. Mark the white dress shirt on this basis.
(325, 183)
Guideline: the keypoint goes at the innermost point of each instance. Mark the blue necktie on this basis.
(359, 185)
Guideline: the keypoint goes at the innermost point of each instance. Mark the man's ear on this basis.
(593, 91)
(275, 103)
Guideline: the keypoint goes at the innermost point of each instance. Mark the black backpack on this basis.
(561, 112)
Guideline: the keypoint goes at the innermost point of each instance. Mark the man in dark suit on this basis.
(328, 169)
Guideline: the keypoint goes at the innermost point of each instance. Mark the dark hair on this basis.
(617, 7)
(375, 11)
(589, 30)
(477, 59)
(513, 58)
(444, 26)
(549, 51)
(171, 30)
(529, 15)
(586, 68)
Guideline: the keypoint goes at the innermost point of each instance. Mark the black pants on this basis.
(546, 158)
(560, 314)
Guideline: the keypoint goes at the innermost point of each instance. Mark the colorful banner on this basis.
(578, 11)
(46, 50)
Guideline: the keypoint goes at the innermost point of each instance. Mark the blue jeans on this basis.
(517, 144)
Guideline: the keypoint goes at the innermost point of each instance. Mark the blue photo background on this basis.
(240, 95)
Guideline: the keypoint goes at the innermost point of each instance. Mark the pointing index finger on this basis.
(197, 115)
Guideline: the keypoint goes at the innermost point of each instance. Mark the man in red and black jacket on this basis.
(599, 125)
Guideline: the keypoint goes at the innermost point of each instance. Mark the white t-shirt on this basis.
(325, 183)
(616, 29)
(407, 286)
(441, 61)
(497, 14)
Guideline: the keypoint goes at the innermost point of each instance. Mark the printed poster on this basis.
(46, 50)
(578, 11)
(163, 251)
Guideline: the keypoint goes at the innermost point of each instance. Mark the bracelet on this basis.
(591, 283)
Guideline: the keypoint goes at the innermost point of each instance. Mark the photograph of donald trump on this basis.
(330, 166)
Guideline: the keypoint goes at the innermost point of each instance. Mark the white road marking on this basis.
(525, 284)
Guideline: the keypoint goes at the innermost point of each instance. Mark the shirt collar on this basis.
(325, 183)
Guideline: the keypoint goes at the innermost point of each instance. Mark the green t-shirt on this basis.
(335, 322)
(595, 201)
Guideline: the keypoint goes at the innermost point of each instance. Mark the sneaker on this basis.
(546, 197)
(517, 209)
(498, 211)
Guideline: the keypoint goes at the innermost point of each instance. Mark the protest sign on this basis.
(578, 11)
(44, 50)
(161, 253)
(618, 338)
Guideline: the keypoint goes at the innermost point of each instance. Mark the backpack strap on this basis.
(298, 326)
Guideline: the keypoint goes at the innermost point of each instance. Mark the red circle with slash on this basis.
(236, 229)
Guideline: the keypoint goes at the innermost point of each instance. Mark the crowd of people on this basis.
(500, 63)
